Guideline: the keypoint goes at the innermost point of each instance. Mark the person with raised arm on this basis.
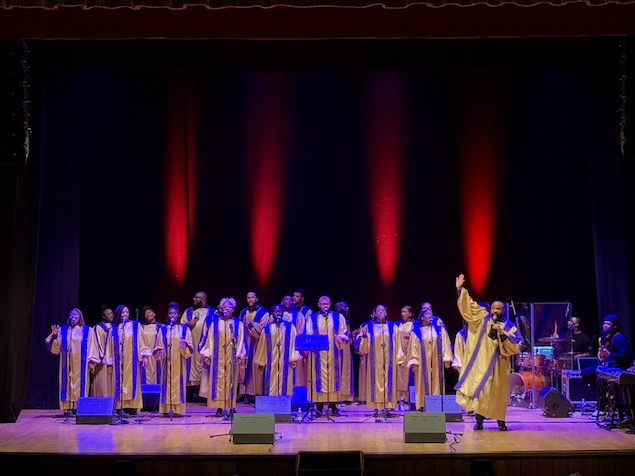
(491, 342)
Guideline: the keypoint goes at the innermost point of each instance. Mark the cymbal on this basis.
(550, 339)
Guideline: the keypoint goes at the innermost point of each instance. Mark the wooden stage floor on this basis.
(536, 444)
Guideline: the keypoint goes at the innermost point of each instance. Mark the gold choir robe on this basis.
(484, 385)
(77, 348)
(195, 364)
(126, 351)
(152, 372)
(277, 356)
(103, 380)
(403, 371)
(347, 375)
(251, 377)
(297, 318)
(171, 358)
(223, 346)
(382, 345)
(429, 348)
(325, 364)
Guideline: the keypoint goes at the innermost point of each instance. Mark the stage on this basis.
(46, 442)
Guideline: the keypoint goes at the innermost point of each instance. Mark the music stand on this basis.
(311, 343)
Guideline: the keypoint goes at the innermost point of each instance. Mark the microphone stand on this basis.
(228, 413)
(441, 371)
(168, 386)
(69, 364)
(571, 341)
(312, 412)
(122, 417)
(383, 348)
(279, 386)
(328, 370)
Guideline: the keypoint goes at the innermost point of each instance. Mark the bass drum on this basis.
(521, 383)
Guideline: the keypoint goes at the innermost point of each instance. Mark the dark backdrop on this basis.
(102, 116)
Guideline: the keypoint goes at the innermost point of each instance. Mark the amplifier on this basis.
(576, 389)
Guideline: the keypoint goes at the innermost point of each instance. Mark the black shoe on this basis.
(335, 412)
(501, 425)
(219, 412)
(376, 414)
(479, 421)
(232, 411)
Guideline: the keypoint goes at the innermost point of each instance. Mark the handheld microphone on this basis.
(171, 322)
(136, 311)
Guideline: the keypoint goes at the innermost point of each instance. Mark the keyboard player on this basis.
(614, 351)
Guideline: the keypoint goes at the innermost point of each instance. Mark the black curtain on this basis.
(103, 117)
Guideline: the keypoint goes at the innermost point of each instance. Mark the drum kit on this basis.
(536, 371)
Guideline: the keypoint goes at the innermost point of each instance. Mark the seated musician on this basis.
(614, 351)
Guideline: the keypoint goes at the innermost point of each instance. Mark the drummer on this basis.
(577, 341)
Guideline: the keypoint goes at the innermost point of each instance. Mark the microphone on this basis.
(136, 311)
(567, 313)
(171, 322)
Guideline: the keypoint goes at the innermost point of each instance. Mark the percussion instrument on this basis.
(525, 359)
(550, 340)
(521, 383)
(559, 364)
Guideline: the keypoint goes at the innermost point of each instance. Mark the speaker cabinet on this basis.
(424, 427)
(256, 428)
(553, 403)
(95, 411)
(151, 394)
(445, 404)
(576, 389)
(342, 463)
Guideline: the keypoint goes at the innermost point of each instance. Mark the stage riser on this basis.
(453, 464)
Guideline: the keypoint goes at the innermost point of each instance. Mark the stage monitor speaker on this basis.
(445, 404)
(553, 403)
(424, 427)
(280, 406)
(151, 394)
(95, 411)
(258, 428)
(342, 463)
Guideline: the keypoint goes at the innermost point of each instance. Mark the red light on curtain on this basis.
(266, 163)
(179, 184)
(480, 184)
(386, 127)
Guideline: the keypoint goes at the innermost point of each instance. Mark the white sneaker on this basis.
(597, 413)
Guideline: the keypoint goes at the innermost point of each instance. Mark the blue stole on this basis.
(163, 335)
(189, 314)
(285, 361)
(332, 345)
(215, 321)
(65, 335)
(251, 348)
(144, 377)
(492, 362)
(389, 359)
(106, 329)
(435, 322)
(351, 388)
(118, 357)
(294, 317)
